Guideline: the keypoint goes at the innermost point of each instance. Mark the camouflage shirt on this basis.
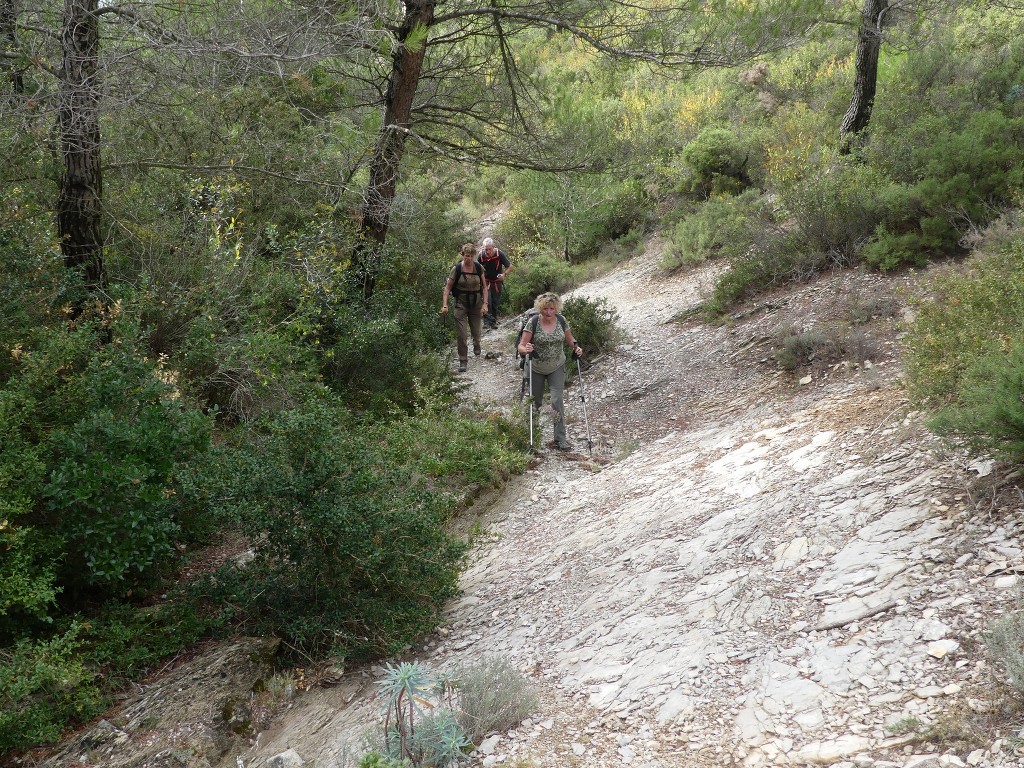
(549, 348)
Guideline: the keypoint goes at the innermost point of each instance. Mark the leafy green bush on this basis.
(968, 317)
(839, 210)
(110, 486)
(346, 518)
(539, 275)
(989, 413)
(965, 352)
(45, 685)
(716, 160)
(964, 172)
(593, 323)
(95, 441)
(718, 227)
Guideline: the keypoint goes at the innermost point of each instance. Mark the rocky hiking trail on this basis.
(753, 568)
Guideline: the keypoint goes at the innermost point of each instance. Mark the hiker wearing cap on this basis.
(544, 341)
(467, 285)
(496, 267)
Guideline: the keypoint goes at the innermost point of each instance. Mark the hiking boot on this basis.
(563, 445)
(476, 352)
(462, 367)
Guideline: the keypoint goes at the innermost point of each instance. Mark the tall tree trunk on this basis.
(387, 155)
(865, 82)
(81, 184)
(9, 41)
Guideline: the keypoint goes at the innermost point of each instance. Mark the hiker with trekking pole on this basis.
(542, 344)
(467, 285)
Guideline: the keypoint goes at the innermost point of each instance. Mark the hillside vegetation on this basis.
(224, 400)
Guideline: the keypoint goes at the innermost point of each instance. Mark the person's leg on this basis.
(475, 325)
(493, 297)
(537, 383)
(556, 381)
(462, 333)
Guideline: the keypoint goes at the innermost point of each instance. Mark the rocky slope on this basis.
(751, 568)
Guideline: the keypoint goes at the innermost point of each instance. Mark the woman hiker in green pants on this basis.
(467, 284)
(545, 341)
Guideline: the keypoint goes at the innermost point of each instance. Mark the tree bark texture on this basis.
(79, 205)
(865, 82)
(406, 67)
(9, 41)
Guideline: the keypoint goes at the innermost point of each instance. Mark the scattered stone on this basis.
(287, 759)
(488, 745)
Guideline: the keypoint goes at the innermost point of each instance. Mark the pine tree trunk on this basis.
(81, 185)
(865, 83)
(387, 156)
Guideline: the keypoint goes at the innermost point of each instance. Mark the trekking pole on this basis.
(583, 399)
(529, 377)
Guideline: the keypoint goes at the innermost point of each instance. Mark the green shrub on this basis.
(493, 695)
(44, 686)
(968, 317)
(593, 323)
(716, 160)
(798, 348)
(719, 227)
(960, 172)
(539, 275)
(778, 258)
(347, 522)
(989, 412)
(110, 487)
(95, 440)
(838, 211)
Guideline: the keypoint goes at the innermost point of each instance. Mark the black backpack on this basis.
(529, 323)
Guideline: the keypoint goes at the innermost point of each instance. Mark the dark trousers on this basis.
(493, 297)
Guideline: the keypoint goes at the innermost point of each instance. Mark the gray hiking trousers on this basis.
(556, 385)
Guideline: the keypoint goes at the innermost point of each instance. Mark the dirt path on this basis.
(754, 571)
(754, 568)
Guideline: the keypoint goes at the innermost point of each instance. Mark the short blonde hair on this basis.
(468, 249)
(548, 300)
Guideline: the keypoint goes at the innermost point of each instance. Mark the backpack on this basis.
(529, 323)
(456, 291)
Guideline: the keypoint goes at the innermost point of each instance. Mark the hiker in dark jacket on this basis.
(467, 285)
(546, 344)
(496, 267)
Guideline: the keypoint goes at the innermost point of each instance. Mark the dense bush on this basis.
(718, 227)
(593, 323)
(346, 519)
(968, 316)
(106, 438)
(964, 175)
(837, 211)
(966, 351)
(538, 275)
(43, 686)
(716, 162)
